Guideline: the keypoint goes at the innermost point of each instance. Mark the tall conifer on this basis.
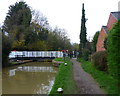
(83, 32)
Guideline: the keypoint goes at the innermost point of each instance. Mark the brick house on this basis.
(113, 18)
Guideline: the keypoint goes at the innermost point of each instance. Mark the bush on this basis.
(99, 60)
(85, 54)
(94, 41)
(113, 50)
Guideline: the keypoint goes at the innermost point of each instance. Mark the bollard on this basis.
(65, 64)
(60, 90)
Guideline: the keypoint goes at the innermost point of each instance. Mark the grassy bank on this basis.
(106, 82)
(59, 59)
(64, 79)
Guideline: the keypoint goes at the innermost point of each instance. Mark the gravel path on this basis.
(84, 81)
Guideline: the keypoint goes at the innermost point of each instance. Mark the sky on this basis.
(67, 14)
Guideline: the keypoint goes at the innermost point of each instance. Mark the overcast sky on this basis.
(67, 13)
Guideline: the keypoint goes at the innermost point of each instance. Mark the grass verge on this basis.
(59, 59)
(64, 79)
(106, 82)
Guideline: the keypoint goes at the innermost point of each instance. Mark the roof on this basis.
(116, 15)
(105, 28)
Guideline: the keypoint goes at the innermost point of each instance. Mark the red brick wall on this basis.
(102, 35)
(111, 21)
(100, 42)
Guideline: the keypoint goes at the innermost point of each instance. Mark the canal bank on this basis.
(20, 62)
(64, 79)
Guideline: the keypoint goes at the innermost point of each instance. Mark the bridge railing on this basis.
(14, 54)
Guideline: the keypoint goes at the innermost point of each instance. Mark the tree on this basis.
(6, 48)
(75, 46)
(38, 46)
(113, 50)
(83, 33)
(17, 21)
(94, 41)
(40, 19)
(40, 25)
(83, 40)
(58, 40)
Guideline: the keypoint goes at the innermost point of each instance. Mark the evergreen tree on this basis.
(83, 33)
(17, 20)
(16, 24)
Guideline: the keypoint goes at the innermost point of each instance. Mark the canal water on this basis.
(29, 78)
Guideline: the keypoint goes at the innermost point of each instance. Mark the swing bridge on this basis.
(35, 55)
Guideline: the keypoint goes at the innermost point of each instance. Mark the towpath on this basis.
(84, 81)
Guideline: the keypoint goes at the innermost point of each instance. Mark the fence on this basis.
(14, 54)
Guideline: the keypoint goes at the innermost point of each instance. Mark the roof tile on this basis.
(116, 15)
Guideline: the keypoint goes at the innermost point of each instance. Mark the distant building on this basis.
(113, 18)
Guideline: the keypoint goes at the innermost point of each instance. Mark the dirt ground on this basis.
(84, 81)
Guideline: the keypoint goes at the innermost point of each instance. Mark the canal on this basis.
(29, 78)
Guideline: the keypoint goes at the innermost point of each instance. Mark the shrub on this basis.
(113, 50)
(99, 60)
(94, 41)
(106, 43)
(85, 54)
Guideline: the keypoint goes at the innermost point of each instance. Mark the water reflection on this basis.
(32, 78)
(36, 69)
(31, 69)
(12, 72)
